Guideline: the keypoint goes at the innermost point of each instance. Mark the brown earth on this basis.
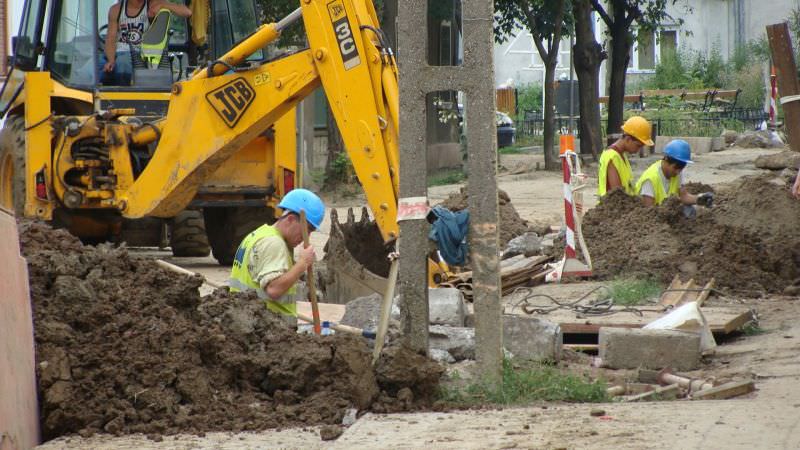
(124, 346)
(747, 242)
(511, 224)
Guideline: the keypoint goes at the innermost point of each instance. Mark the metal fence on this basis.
(708, 124)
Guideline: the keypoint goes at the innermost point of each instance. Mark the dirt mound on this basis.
(511, 224)
(627, 238)
(762, 205)
(124, 346)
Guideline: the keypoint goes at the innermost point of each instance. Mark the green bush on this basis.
(529, 98)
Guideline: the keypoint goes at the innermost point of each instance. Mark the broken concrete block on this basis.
(458, 341)
(446, 307)
(441, 356)
(532, 338)
(527, 244)
(631, 348)
(363, 312)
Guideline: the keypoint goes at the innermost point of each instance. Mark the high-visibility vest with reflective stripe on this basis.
(654, 176)
(241, 280)
(623, 166)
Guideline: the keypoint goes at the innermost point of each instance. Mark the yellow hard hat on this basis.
(640, 128)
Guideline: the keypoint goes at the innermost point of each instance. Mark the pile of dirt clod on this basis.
(511, 224)
(626, 238)
(124, 346)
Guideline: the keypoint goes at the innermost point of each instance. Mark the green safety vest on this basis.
(241, 280)
(653, 174)
(623, 166)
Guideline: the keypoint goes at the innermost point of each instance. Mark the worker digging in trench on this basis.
(264, 261)
(664, 179)
(615, 168)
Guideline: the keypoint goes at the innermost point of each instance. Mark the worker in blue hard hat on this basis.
(664, 178)
(264, 261)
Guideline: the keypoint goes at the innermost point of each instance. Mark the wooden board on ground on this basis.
(721, 319)
(330, 312)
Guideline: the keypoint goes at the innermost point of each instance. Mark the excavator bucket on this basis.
(356, 259)
(19, 420)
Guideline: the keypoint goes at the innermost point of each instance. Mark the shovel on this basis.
(310, 279)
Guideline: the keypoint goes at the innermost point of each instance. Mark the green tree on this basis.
(587, 55)
(619, 17)
(547, 21)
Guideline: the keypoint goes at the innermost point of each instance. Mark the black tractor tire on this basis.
(188, 234)
(227, 226)
(12, 164)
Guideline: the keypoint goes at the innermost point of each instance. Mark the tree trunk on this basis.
(620, 57)
(550, 155)
(587, 56)
(333, 175)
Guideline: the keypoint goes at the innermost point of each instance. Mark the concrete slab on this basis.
(622, 348)
(531, 338)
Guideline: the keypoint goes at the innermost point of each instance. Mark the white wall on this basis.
(517, 59)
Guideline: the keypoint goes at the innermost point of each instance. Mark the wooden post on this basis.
(780, 45)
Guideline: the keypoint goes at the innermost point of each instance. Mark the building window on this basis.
(648, 51)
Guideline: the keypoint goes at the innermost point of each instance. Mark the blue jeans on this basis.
(122, 73)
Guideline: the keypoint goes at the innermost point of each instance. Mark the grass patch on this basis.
(525, 385)
(512, 150)
(446, 176)
(632, 291)
(753, 329)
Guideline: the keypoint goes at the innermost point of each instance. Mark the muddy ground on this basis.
(124, 346)
(747, 241)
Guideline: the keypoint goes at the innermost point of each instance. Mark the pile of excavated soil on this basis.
(124, 346)
(511, 224)
(737, 242)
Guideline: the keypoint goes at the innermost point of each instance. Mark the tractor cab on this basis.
(67, 39)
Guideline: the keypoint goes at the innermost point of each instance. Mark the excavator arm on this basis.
(223, 107)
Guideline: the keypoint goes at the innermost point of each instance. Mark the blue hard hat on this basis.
(304, 200)
(679, 150)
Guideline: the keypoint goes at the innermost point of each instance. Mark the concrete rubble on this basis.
(527, 244)
(446, 307)
(532, 339)
(631, 348)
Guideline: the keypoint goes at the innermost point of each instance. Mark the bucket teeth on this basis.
(364, 215)
(351, 217)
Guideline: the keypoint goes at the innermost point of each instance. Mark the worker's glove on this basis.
(705, 199)
(689, 211)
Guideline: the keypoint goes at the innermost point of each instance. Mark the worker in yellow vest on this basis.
(664, 178)
(264, 261)
(615, 169)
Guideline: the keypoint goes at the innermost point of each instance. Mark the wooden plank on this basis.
(727, 390)
(780, 45)
(327, 311)
(671, 294)
(688, 294)
(581, 347)
(662, 393)
(701, 299)
(721, 319)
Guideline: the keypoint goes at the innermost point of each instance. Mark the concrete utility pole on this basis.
(475, 78)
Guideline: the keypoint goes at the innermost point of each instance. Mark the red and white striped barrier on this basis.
(574, 181)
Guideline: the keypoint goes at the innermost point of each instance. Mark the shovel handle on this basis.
(312, 291)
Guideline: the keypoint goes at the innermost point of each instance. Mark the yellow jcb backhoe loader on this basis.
(217, 138)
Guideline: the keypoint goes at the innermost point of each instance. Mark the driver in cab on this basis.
(127, 21)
